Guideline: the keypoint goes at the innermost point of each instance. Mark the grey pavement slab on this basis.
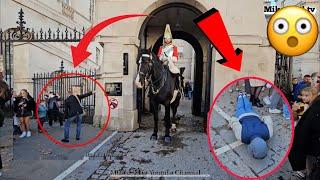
(6, 147)
(134, 153)
(238, 160)
(36, 157)
(39, 147)
(126, 152)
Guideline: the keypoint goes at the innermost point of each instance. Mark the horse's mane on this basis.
(156, 59)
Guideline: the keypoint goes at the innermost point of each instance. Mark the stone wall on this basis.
(35, 57)
(248, 32)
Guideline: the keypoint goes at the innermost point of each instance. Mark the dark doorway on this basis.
(198, 79)
(180, 17)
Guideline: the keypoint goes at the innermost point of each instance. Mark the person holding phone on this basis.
(73, 111)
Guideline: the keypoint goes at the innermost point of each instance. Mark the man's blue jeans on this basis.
(243, 106)
(67, 124)
(190, 95)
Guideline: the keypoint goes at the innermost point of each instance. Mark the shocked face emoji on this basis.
(292, 31)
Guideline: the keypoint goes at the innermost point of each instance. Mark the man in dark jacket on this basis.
(53, 109)
(306, 137)
(5, 95)
(73, 111)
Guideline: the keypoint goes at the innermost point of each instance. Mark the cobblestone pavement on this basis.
(127, 153)
(237, 159)
(134, 154)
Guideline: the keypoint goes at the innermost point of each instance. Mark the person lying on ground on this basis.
(250, 129)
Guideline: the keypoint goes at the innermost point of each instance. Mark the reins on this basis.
(152, 84)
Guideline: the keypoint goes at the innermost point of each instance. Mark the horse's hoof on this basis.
(154, 137)
(167, 139)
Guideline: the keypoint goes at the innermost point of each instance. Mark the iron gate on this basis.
(283, 73)
(22, 34)
(62, 85)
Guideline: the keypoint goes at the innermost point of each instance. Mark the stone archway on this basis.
(182, 26)
(197, 94)
(246, 32)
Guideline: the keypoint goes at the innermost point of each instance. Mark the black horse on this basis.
(162, 89)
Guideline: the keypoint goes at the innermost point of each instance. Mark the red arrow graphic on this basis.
(80, 53)
(212, 26)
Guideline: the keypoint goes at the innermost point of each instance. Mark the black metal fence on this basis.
(21, 33)
(283, 73)
(60, 86)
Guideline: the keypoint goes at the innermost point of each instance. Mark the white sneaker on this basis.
(28, 133)
(23, 134)
(299, 174)
(274, 111)
(267, 100)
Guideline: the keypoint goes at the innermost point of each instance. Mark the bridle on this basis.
(155, 90)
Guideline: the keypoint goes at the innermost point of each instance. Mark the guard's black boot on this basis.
(177, 83)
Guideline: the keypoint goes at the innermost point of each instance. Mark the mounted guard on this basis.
(168, 54)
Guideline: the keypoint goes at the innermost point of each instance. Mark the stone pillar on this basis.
(125, 116)
(21, 68)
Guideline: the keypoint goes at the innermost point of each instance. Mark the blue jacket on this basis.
(253, 127)
(42, 111)
(297, 89)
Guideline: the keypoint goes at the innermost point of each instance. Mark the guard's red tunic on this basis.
(175, 52)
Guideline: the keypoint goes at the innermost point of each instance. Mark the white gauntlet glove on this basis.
(173, 59)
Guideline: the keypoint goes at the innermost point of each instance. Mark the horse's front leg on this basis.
(155, 107)
(167, 137)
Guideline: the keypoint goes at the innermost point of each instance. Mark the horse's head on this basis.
(145, 63)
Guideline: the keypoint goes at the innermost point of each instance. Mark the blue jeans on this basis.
(67, 124)
(189, 94)
(243, 106)
(275, 99)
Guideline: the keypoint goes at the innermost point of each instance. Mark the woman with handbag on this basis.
(25, 105)
(73, 111)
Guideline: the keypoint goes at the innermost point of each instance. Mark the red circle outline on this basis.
(209, 136)
(90, 141)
